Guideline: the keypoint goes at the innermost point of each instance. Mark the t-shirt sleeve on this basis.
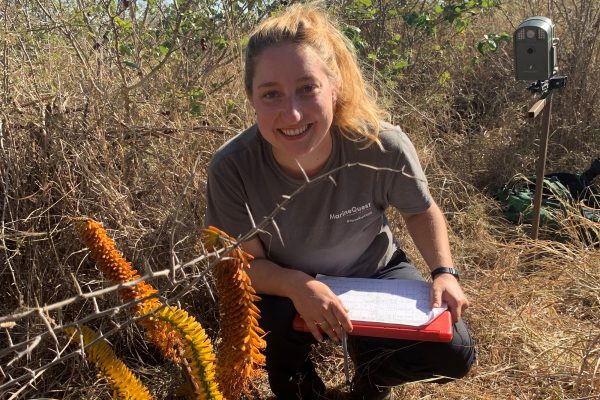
(407, 190)
(226, 199)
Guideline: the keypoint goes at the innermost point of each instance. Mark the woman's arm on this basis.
(430, 234)
(314, 301)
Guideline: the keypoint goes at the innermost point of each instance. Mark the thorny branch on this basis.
(52, 328)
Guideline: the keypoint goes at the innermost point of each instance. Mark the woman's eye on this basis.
(270, 94)
(309, 88)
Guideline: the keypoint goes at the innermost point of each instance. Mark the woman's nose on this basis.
(291, 111)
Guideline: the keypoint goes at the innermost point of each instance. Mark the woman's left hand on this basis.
(446, 289)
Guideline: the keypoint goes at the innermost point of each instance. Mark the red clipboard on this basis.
(438, 330)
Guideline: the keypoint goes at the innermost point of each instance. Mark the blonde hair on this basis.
(357, 114)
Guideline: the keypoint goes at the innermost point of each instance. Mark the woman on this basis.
(314, 114)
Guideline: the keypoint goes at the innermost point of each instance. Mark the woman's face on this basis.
(294, 102)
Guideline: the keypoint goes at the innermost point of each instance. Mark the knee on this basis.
(460, 354)
(276, 314)
(460, 366)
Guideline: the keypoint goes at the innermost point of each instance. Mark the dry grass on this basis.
(72, 144)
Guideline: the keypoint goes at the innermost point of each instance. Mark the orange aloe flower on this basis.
(110, 261)
(117, 269)
(239, 355)
(178, 336)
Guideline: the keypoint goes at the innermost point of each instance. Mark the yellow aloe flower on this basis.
(198, 351)
(162, 334)
(240, 356)
(122, 380)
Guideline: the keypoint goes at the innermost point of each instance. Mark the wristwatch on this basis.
(445, 270)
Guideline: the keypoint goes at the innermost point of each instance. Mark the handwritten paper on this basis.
(385, 301)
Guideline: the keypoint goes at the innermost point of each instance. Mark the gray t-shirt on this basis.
(329, 228)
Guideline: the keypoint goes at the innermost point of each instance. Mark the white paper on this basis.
(385, 301)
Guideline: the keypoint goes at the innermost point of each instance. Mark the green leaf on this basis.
(198, 94)
(221, 42)
(505, 37)
(400, 65)
(195, 109)
(489, 3)
(125, 50)
(481, 47)
(131, 64)
(123, 24)
(353, 33)
(444, 78)
(230, 106)
(164, 48)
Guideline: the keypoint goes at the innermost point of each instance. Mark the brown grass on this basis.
(73, 142)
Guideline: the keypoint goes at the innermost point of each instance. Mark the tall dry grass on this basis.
(76, 139)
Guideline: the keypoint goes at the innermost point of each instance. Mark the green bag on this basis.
(517, 196)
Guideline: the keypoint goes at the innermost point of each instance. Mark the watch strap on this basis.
(445, 270)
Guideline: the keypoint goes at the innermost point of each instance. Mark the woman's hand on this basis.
(321, 308)
(446, 289)
(314, 301)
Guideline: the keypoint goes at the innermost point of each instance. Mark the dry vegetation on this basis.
(116, 119)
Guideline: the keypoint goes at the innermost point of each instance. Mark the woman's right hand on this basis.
(320, 308)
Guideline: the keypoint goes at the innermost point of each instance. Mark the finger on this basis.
(337, 316)
(330, 329)
(343, 320)
(436, 297)
(460, 308)
(314, 329)
(466, 305)
(455, 312)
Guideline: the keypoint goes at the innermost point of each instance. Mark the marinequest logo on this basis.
(352, 212)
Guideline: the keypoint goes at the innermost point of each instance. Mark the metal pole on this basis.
(541, 167)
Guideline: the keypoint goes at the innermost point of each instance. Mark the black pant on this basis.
(378, 362)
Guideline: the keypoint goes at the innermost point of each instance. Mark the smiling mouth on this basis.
(295, 132)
